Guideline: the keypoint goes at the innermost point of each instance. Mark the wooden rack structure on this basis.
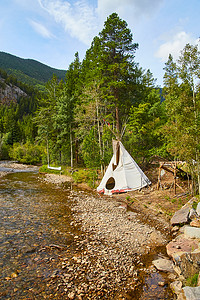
(171, 167)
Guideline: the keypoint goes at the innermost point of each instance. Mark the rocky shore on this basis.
(114, 242)
(108, 260)
(120, 239)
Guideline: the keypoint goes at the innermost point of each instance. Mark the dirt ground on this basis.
(160, 204)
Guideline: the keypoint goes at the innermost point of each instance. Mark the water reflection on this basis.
(32, 216)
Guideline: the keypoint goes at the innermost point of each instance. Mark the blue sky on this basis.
(51, 31)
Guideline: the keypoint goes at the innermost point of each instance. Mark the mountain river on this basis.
(46, 253)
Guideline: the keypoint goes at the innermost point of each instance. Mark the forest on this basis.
(28, 71)
(108, 95)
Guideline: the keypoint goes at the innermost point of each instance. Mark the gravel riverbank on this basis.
(113, 243)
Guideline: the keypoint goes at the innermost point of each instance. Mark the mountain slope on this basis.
(28, 70)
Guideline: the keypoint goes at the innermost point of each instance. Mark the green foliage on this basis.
(117, 63)
(90, 150)
(44, 169)
(4, 146)
(88, 176)
(194, 205)
(173, 200)
(29, 71)
(143, 131)
(182, 94)
(27, 153)
(192, 281)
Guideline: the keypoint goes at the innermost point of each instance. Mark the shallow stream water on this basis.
(37, 237)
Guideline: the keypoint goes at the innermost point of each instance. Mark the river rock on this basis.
(181, 216)
(193, 214)
(181, 245)
(163, 264)
(175, 229)
(195, 223)
(71, 295)
(198, 209)
(192, 293)
(181, 296)
(188, 263)
(192, 232)
(176, 286)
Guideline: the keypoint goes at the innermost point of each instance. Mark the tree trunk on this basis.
(198, 170)
(71, 147)
(117, 121)
(76, 152)
(99, 134)
(48, 160)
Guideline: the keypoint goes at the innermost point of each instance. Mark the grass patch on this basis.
(192, 281)
(86, 176)
(194, 205)
(44, 169)
(173, 200)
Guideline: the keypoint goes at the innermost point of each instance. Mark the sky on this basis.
(52, 31)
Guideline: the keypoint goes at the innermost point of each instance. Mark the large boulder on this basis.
(198, 209)
(189, 263)
(180, 245)
(192, 293)
(181, 216)
(191, 232)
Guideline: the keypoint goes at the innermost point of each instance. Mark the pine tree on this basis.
(117, 64)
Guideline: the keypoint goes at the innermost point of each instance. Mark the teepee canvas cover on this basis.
(122, 174)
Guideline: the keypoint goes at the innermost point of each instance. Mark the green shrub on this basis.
(90, 150)
(173, 200)
(44, 169)
(27, 153)
(192, 281)
(85, 176)
(194, 205)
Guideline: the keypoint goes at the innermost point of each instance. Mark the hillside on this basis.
(28, 71)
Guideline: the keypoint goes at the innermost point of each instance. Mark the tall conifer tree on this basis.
(117, 63)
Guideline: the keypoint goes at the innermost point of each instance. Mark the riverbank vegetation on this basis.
(108, 95)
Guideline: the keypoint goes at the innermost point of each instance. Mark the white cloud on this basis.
(83, 20)
(174, 45)
(133, 8)
(41, 29)
(78, 19)
(30, 5)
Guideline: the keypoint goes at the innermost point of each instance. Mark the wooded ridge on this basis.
(28, 69)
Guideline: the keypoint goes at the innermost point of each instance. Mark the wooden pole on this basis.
(159, 171)
(175, 178)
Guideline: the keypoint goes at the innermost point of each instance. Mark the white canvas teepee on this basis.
(123, 174)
